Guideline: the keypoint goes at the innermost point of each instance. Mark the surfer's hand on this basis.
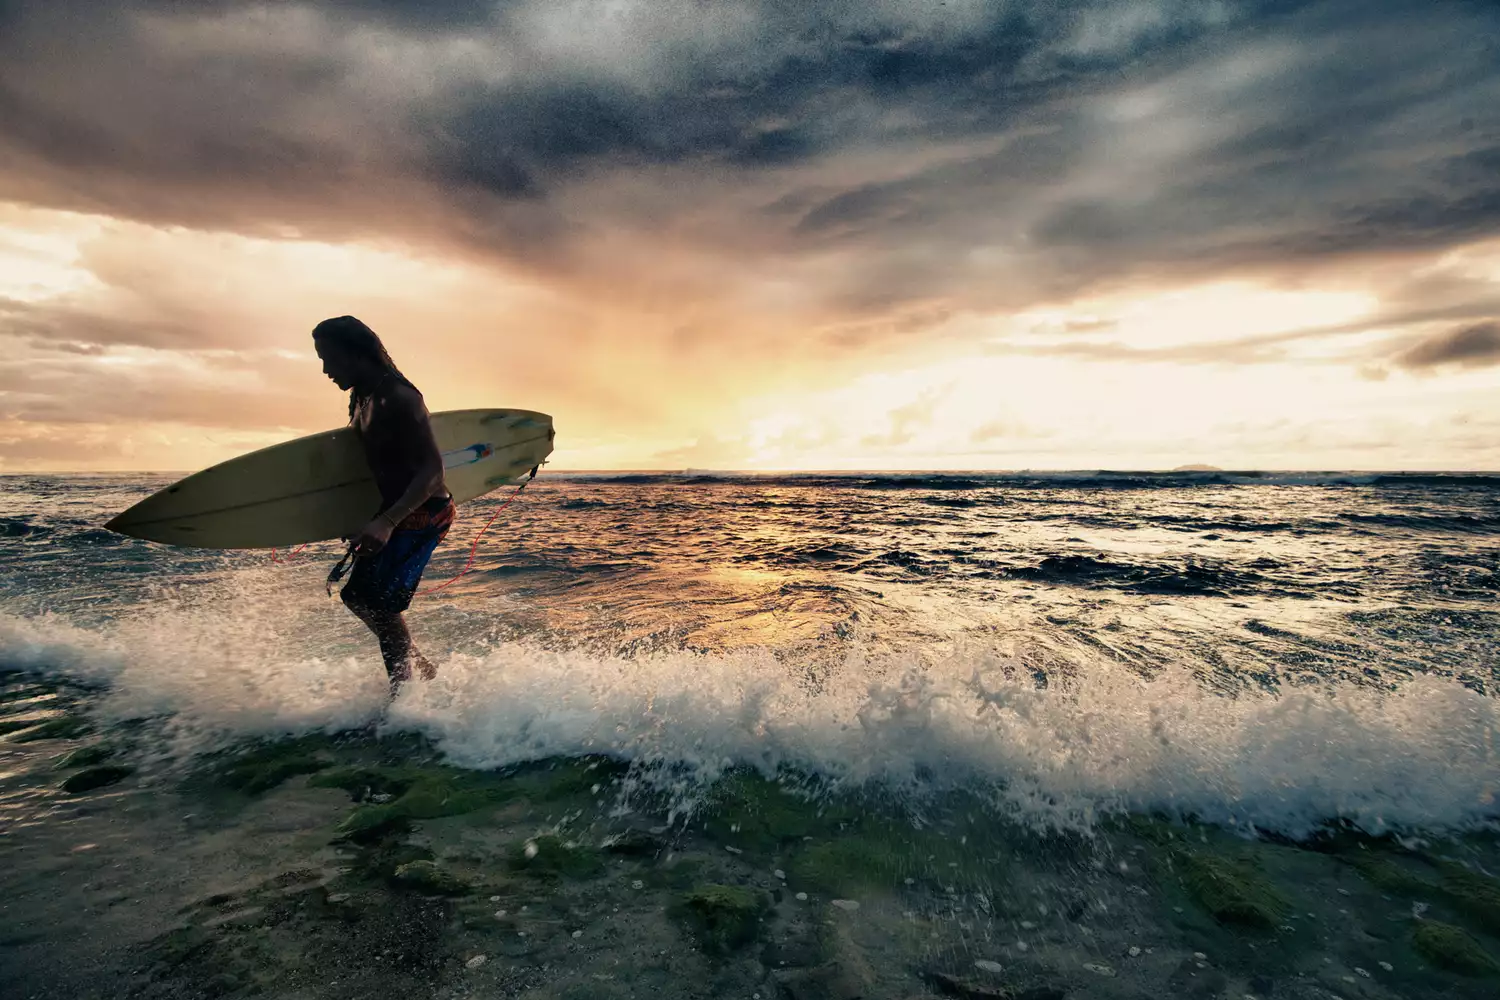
(373, 536)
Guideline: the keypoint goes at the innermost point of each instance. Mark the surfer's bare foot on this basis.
(397, 679)
(413, 665)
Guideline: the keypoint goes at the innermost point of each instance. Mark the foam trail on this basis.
(215, 679)
(1422, 756)
(1425, 755)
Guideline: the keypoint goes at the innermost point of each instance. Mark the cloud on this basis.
(23, 446)
(908, 419)
(655, 206)
(974, 153)
(226, 390)
(1476, 346)
(995, 429)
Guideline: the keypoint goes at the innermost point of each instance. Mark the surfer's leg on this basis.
(380, 589)
(396, 647)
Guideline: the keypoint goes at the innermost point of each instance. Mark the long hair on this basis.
(354, 337)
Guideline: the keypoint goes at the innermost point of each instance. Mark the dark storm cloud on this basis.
(981, 155)
(721, 116)
(412, 15)
(1476, 346)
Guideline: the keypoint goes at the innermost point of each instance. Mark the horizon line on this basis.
(862, 472)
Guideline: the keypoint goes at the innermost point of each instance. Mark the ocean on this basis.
(699, 734)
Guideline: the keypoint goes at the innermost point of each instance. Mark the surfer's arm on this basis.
(429, 475)
(425, 484)
(414, 431)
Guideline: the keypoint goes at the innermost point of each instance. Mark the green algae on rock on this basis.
(752, 812)
(1474, 895)
(429, 876)
(254, 777)
(96, 777)
(1452, 948)
(379, 859)
(265, 764)
(850, 864)
(1232, 890)
(1381, 870)
(549, 857)
(414, 793)
(882, 855)
(391, 796)
(721, 917)
(86, 756)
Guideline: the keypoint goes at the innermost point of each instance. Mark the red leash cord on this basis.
(473, 549)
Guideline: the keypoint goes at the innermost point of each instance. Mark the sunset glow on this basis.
(1167, 248)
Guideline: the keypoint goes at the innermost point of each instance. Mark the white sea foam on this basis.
(1423, 756)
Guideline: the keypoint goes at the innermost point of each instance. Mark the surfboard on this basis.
(320, 487)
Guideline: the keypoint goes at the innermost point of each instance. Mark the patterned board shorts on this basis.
(387, 580)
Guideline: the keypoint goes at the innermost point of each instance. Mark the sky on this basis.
(762, 235)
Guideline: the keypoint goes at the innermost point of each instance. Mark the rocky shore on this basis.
(361, 864)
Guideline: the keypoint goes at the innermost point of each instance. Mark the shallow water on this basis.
(1029, 657)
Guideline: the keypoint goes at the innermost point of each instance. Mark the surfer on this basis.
(416, 510)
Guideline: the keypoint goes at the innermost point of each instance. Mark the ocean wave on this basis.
(829, 554)
(1426, 522)
(1191, 578)
(21, 527)
(1421, 755)
(1031, 479)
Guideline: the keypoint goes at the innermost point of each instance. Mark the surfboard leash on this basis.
(475, 547)
(339, 569)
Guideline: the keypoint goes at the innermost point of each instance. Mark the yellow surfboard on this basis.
(320, 487)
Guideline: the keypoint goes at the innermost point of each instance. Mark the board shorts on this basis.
(387, 580)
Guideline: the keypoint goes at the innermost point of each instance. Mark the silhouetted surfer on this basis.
(416, 511)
